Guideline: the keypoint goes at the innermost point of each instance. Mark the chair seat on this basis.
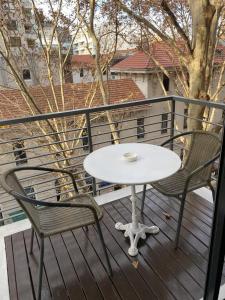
(174, 184)
(54, 220)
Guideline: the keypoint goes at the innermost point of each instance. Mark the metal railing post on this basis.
(90, 145)
(217, 243)
(173, 108)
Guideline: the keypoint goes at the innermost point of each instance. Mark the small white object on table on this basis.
(132, 164)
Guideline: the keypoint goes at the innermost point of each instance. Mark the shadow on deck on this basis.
(73, 268)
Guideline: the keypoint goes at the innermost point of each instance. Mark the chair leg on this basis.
(143, 198)
(31, 240)
(41, 262)
(104, 248)
(213, 191)
(180, 221)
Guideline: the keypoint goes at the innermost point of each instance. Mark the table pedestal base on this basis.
(135, 234)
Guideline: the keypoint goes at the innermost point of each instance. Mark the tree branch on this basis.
(173, 19)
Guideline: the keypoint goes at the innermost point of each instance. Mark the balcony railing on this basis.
(64, 139)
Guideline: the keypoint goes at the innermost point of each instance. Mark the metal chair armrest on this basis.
(50, 170)
(175, 137)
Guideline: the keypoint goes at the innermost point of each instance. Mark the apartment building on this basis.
(26, 47)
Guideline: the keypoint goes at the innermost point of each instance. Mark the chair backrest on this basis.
(11, 184)
(203, 147)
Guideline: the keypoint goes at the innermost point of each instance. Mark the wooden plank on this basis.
(188, 206)
(104, 282)
(75, 265)
(187, 233)
(151, 279)
(160, 260)
(33, 261)
(181, 257)
(191, 219)
(169, 227)
(197, 255)
(11, 268)
(127, 281)
(86, 279)
(53, 273)
(190, 213)
(69, 275)
(23, 280)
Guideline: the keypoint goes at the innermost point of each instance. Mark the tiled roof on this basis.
(162, 54)
(13, 105)
(87, 60)
(82, 60)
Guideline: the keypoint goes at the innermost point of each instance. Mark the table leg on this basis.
(135, 230)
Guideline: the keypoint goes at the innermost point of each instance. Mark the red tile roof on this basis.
(13, 105)
(83, 60)
(163, 55)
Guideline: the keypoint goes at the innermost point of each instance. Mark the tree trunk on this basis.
(205, 17)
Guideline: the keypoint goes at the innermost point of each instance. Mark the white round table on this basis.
(153, 163)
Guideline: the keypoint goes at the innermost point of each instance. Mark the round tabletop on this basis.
(152, 164)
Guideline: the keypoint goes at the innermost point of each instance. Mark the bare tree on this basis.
(197, 25)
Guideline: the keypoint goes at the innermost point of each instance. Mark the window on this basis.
(19, 153)
(28, 28)
(17, 215)
(185, 118)
(88, 181)
(81, 72)
(26, 74)
(30, 43)
(85, 139)
(166, 82)
(29, 190)
(11, 25)
(57, 189)
(140, 128)
(15, 41)
(219, 52)
(181, 154)
(27, 12)
(118, 133)
(164, 123)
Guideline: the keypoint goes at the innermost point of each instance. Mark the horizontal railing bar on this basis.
(129, 128)
(45, 145)
(157, 138)
(130, 136)
(127, 120)
(82, 111)
(48, 163)
(44, 135)
(41, 155)
(197, 119)
(90, 110)
(219, 105)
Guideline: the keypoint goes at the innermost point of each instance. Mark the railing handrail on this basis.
(80, 111)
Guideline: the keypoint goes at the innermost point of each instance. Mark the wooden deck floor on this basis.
(74, 261)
